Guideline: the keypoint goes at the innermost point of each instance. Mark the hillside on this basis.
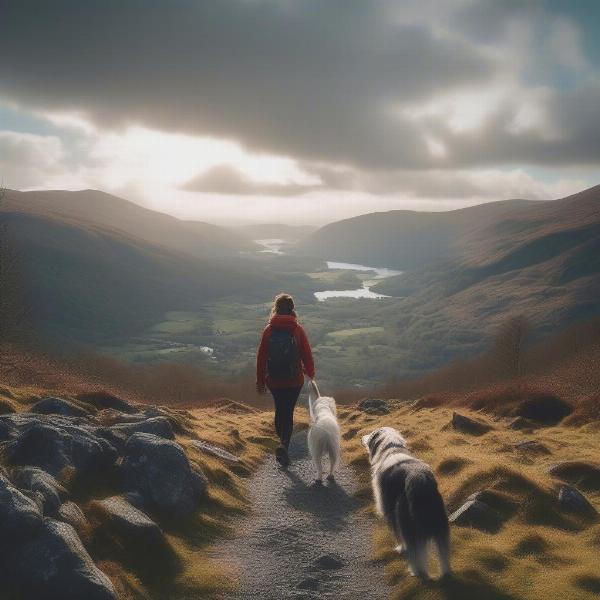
(542, 261)
(401, 239)
(110, 212)
(84, 282)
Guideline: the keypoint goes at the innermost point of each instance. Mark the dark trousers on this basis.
(285, 401)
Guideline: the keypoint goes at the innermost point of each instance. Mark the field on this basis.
(539, 552)
(351, 340)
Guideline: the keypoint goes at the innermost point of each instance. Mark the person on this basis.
(283, 358)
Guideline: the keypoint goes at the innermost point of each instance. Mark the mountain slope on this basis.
(400, 238)
(84, 282)
(107, 211)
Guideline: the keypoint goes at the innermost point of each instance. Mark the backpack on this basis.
(282, 359)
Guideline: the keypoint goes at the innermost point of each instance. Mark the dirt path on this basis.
(302, 540)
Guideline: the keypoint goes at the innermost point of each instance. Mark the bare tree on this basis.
(508, 348)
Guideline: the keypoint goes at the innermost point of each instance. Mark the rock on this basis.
(215, 451)
(55, 448)
(477, 514)
(469, 425)
(6, 430)
(310, 583)
(105, 400)
(531, 446)
(374, 406)
(33, 479)
(503, 504)
(58, 406)
(585, 475)
(330, 562)
(130, 522)
(521, 423)
(20, 516)
(572, 500)
(55, 565)
(119, 434)
(545, 409)
(70, 513)
(160, 472)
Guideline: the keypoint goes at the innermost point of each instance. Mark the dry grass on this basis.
(539, 553)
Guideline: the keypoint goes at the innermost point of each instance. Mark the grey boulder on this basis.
(54, 565)
(131, 522)
(477, 514)
(70, 513)
(216, 451)
(374, 406)
(120, 433)
(160, 472)
(55, 448)
(573, 501)
(468, 425)
(44, 485)
(20, 516)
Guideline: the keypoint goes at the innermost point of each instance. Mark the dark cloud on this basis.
(224, 179)
(306, 78)
(318, 81)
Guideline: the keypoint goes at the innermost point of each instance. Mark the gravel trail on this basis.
(302, 540)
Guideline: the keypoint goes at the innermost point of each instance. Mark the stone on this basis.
(215, 451)
(584, 475)
(160, 472)
(120, 433)
(532, 447)
(34, 479)
(131, 522)
(70, 513)
(55, 564)
(468, 425)
(477, 514)
(58, 406)
(55, 448)
(573, 501)
(521, 423)
(20, 516)
(374, 406)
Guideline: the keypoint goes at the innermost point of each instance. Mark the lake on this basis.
(361, 292)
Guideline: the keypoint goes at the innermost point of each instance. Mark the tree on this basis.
(508, 348)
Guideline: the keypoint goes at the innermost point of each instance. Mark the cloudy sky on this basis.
(301, 111)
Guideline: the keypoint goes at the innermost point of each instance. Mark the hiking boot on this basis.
(282, 457)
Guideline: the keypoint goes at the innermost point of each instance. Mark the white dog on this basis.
(407, 496)
(324, 432)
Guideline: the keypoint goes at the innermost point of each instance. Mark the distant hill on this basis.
(263, 231)
(401, 239)
(111, 212)
(84, 282)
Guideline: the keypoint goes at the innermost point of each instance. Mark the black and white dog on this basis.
(407, 496)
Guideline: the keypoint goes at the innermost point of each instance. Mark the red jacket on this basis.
(305, 359)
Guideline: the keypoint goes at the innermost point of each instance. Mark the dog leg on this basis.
(319, 469)
(443, 548)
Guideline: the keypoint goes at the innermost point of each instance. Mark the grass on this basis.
(539, 553)
(362, 331)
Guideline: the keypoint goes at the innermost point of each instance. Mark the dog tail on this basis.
(313, 395)
(429, 519)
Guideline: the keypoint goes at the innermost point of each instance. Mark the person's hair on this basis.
(283, 305)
